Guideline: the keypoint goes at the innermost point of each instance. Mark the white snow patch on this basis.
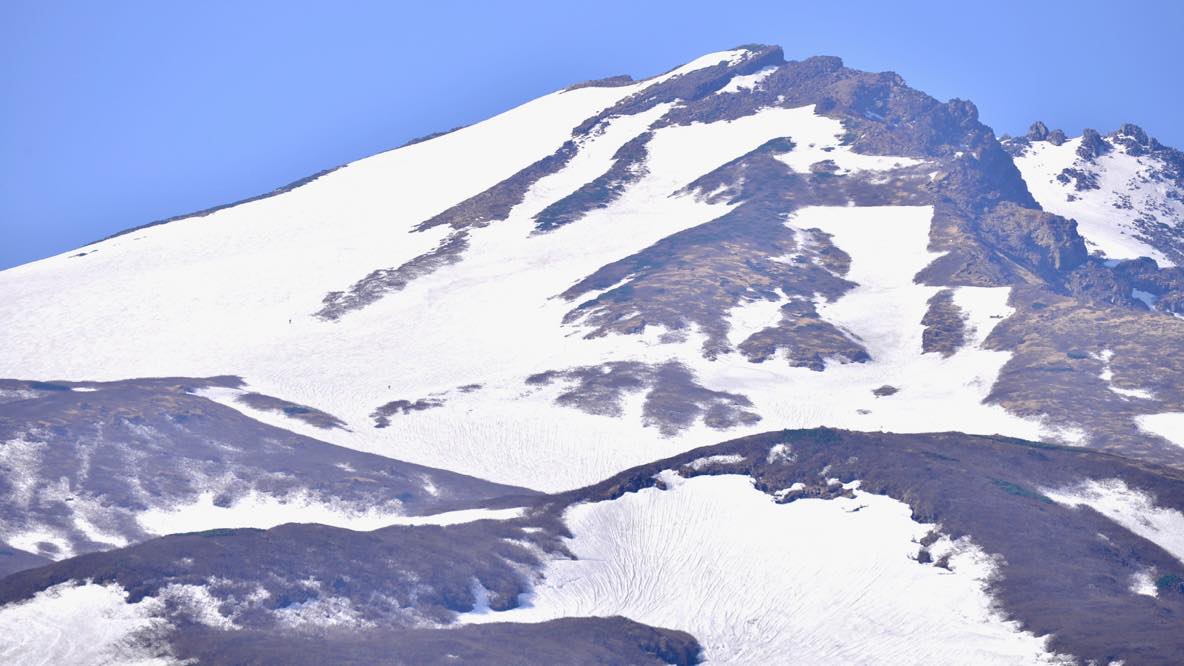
(1130, 507)
(887, 246)
(88, 514)
(759, 582)
(321, 612)
(822, 141)
(82, 624)
(1107, 375)
(733, 57)
(21, 459)
(264, 511)
(984, 307)
(709, 461)
(1070, 435)
(1169, 425)
(1133, 393)
(751, 317)
(30, 539)
(747, 81)
(429, 487)
(196, 603)
(1143, 582)
(781, 453)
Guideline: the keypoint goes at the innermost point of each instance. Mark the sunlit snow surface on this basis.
(234, 293)
(264, 511)
(81, 625)
(1169, 425)
(1105, 216)
(814, 581)
(747, 81)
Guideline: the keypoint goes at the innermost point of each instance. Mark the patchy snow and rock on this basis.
(1129, 507)
(1107, 375)
(747, 81)
(1117, 200)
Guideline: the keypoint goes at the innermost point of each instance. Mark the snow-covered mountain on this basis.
(1125, 189)
(476, 347)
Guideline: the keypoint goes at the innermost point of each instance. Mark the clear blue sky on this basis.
(116, 113)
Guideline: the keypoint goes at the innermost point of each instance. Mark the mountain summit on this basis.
(480, 383)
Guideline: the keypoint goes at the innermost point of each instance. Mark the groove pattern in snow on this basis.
(813, 581)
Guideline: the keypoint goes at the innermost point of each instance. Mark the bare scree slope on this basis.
(409, 409)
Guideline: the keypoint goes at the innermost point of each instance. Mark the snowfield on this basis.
(263, 511)
(233, 293)
(813, 581)
(82, 625)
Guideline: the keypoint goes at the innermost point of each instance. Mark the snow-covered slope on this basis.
(815, 581)
(1125, 191)
(235, 293)
(605, 277)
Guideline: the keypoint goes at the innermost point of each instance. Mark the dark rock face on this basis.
(433, 135)
(1092, 146)
(945, 325)
(628, 167)
(674, 401)
(386, 280)
(1082, 180)
(382, 415)
(1045, 243)
(309, 415)
(1093, 282)
(1038, 132)
(1166, 284)
(496, 202)
(121, 448)
(607, 82)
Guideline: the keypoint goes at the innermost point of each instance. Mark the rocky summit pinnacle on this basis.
(755, 360)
